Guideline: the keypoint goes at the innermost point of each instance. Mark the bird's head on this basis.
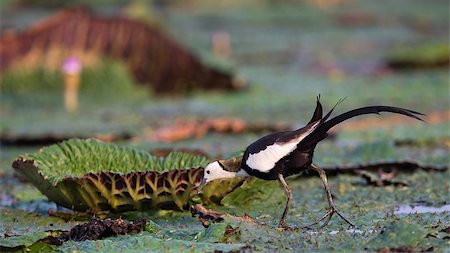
(221, 169)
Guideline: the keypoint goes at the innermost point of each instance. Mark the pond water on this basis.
(408, 209)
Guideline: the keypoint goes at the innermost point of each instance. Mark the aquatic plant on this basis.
(98, 176)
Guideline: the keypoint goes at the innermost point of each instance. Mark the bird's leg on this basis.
(288, 202)
(332, 210)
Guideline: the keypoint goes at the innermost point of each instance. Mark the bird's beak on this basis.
(201, 185)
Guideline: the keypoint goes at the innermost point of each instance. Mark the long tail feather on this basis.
(331, 111)
(370, 110)
(322, 130)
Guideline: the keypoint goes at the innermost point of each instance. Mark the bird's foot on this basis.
(342, 217)
(328, 215)
(285, 227)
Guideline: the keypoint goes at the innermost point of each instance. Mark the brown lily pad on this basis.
(152, 57)
(185, 129)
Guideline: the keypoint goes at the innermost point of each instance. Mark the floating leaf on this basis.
(233, 229)
(419, 57)
(20, 229)
(214, 233)
(257, 192)
(330, 155)
(89, 174)
(145, 242)
(397, 235)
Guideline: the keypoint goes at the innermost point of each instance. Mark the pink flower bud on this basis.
(71, 65)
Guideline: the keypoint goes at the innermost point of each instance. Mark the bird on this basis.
(281, 154)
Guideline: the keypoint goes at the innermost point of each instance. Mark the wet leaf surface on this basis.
(22, 229)
(145, 241)
(398, 234)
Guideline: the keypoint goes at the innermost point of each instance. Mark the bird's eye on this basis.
(208, 172)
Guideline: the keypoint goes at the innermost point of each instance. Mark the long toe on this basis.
(342, 217)
(326, 216)
(285, 227)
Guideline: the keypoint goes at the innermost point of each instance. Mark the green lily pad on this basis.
(214, 233)
(22, 229)
(398, 234)
(89, 174)
(330, 155)
(144, 242)
(422, 56)
(256, 192)
(237, 230)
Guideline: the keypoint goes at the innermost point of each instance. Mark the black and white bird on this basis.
(282, 154)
